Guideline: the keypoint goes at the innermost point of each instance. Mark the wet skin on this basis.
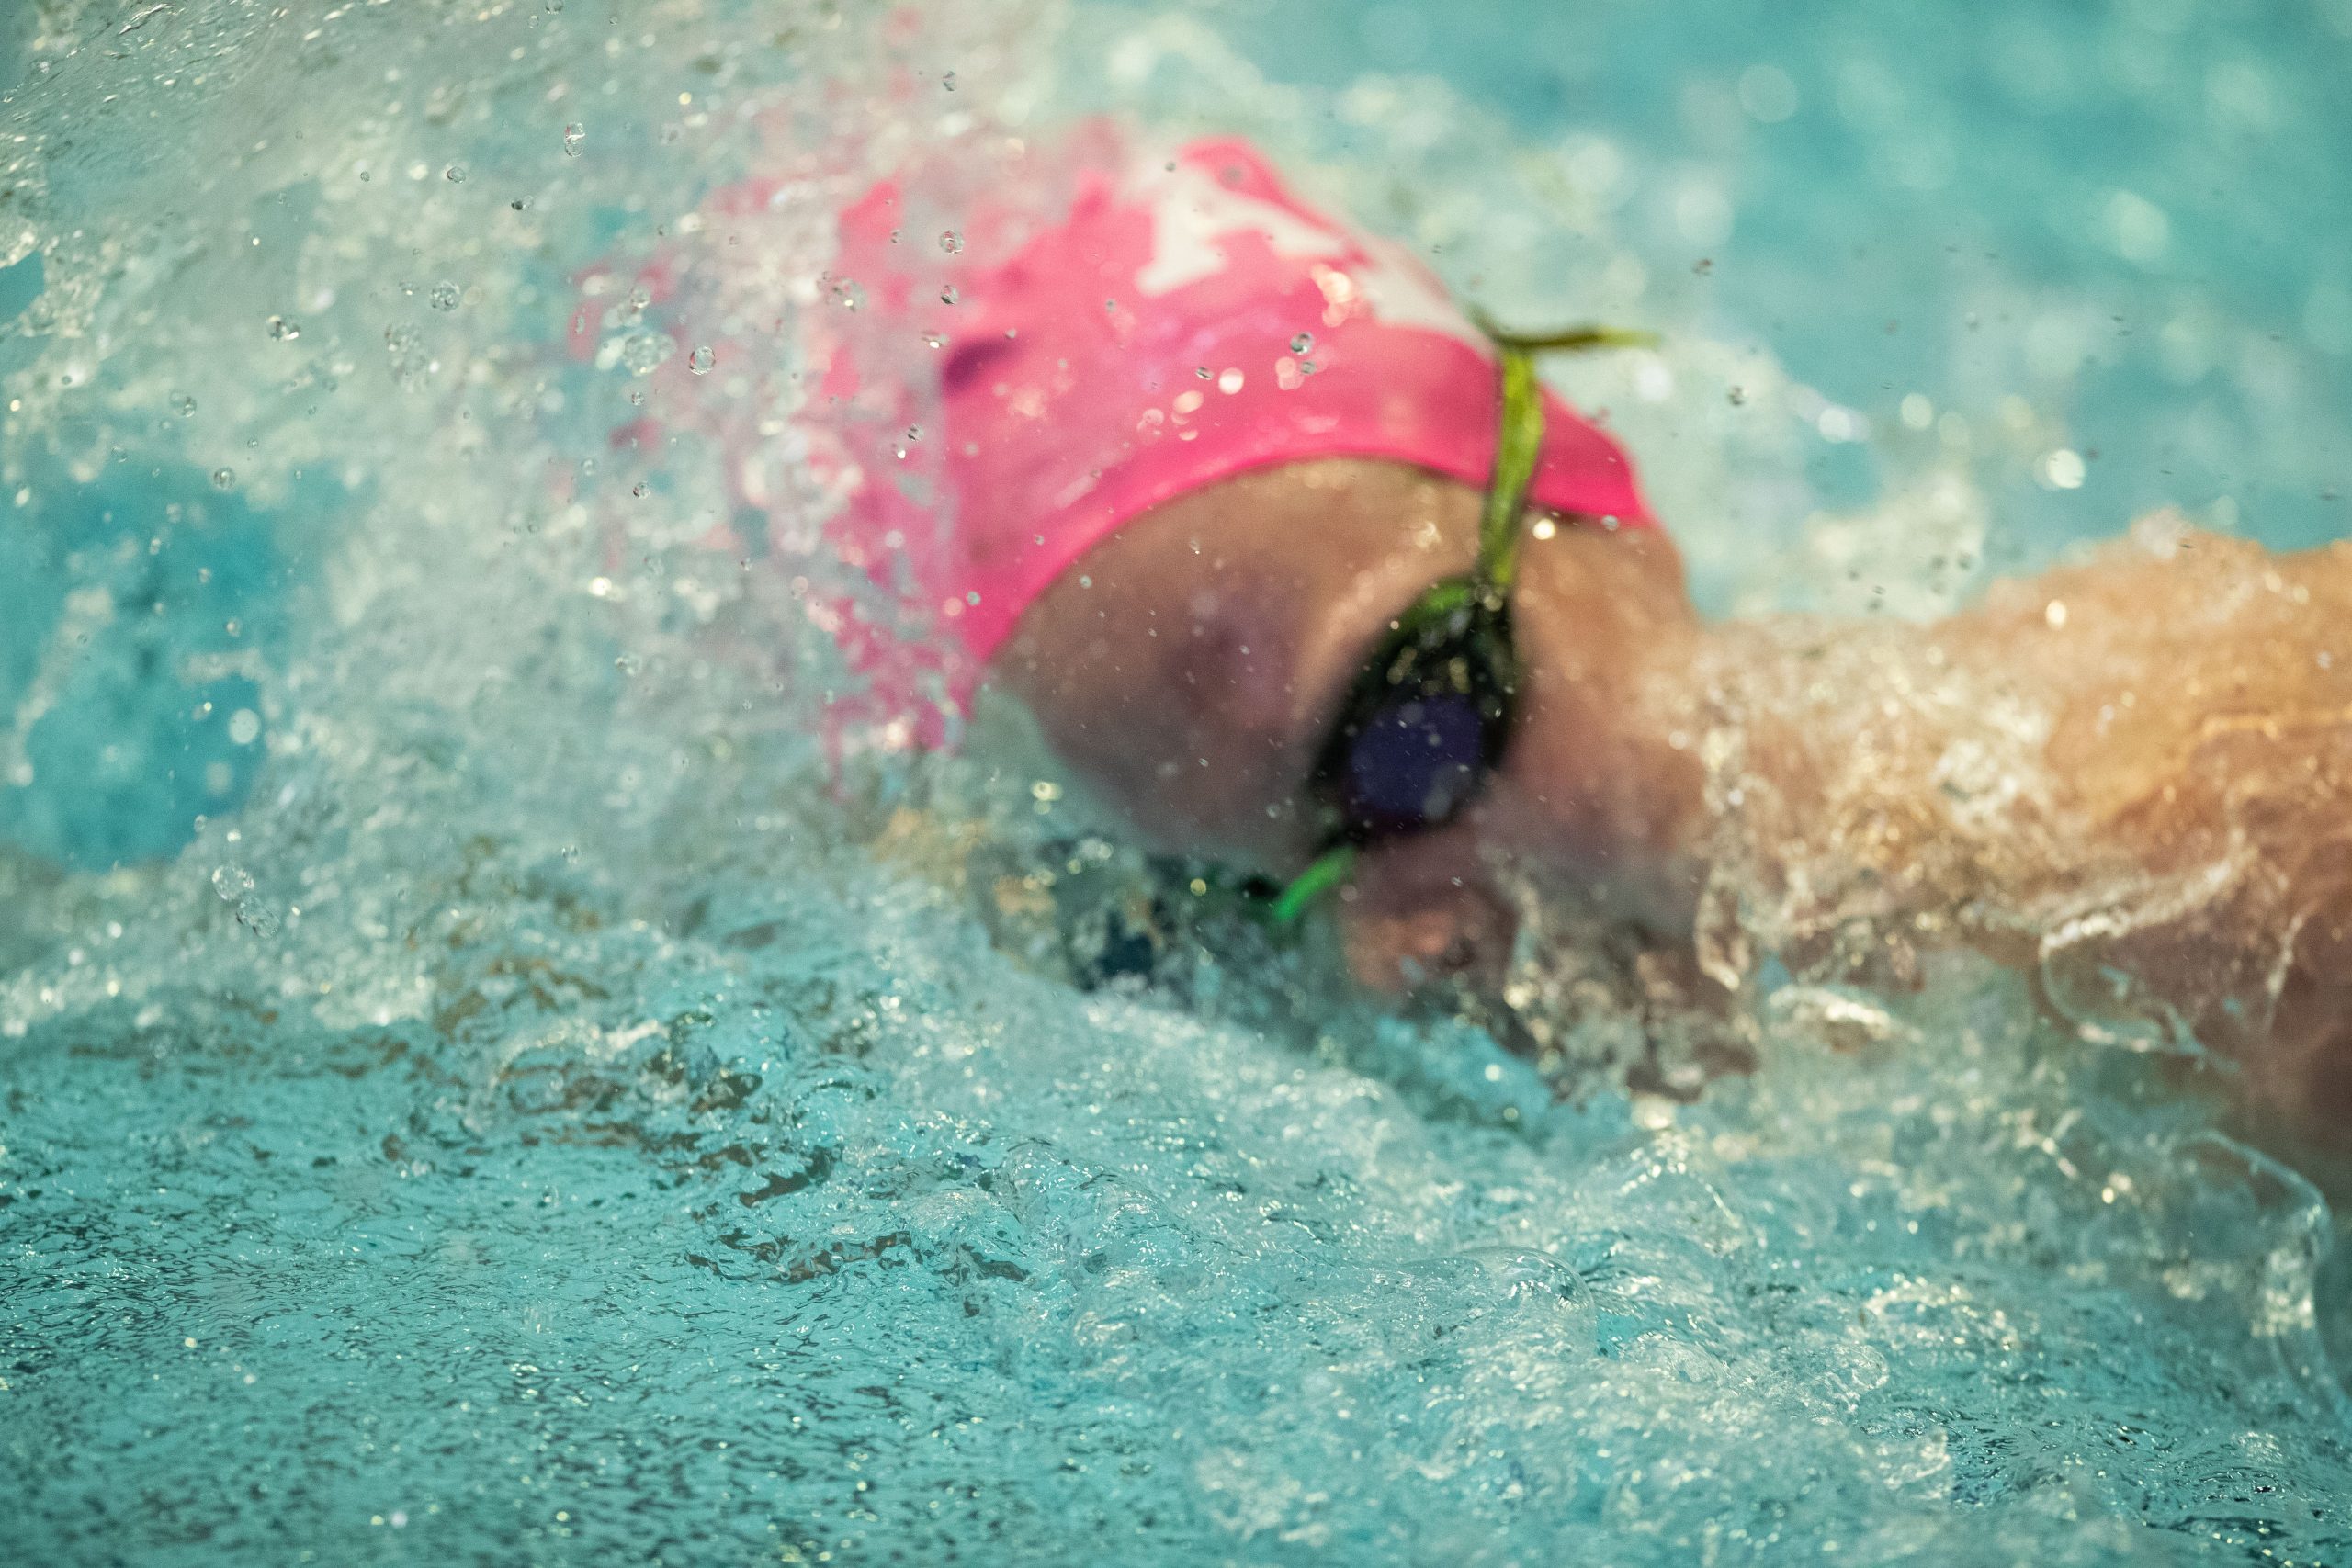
(2154, 777)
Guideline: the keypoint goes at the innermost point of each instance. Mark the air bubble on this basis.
(183, 405)
(701, 359)
(284, 330)
(455, 173)
(948, 295)
(950, 240)
(224, 478)
(1302, 343)
(574, 135)
(444, 295)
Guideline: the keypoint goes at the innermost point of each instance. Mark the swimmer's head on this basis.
(1166, 324)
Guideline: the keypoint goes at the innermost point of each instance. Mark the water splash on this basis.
(549, 1105)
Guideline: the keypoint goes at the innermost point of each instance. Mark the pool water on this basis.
(504, 1057)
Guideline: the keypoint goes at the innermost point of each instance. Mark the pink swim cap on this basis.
(1188, 320)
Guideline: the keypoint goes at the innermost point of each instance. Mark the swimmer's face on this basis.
(1192, 668)
(1589, 801)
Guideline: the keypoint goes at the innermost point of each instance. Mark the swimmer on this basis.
(1301, 567)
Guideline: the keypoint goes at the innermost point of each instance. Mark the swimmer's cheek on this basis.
(1593, 788)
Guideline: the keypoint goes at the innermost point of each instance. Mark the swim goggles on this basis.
(1428, 718)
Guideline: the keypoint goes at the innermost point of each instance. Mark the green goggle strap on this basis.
(1327, 870)
(1518, 445)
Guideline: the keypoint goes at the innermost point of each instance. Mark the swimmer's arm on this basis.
(2133, 777)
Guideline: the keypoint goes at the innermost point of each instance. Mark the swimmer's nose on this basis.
(1420, 911)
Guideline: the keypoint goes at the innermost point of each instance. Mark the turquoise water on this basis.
(501, 1060)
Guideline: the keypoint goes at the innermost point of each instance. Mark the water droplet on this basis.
(519, 203)
(1302, 343)
(183, 405)
(1203, 371)
(1766, 93)
(404, 345)
(914, 433)
(701, 360)
(223, 479)
(1737, 395)
(935, 340)
(948, 295)
(637, 489)
(284, 330)
(574, 135)
(2063, 469)
(235, 886)
(950, 240)
(642, 352)
(446, 296)
(455, 173)
(948, 81)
